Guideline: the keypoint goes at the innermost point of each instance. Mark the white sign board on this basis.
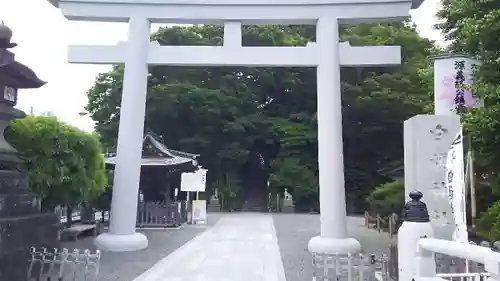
(452, 75)
(456, 188)
(199, 212)
(194, 182)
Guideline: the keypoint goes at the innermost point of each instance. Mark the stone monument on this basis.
(427, 139)
(22, 224)
(214, 203)
(288, 205)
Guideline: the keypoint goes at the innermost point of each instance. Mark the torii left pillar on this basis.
(122, 236)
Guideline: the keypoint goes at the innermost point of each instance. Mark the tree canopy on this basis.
(220, 112)
(65, 165)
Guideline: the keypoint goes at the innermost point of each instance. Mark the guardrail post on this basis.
(416, 224)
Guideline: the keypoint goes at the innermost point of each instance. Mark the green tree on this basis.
(65, 165)
(220, 112)
(377, 101)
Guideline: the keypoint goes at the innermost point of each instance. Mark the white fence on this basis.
(61, 214)
(476, 276)
(351, 267)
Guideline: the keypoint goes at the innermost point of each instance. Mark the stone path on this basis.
(241, 246)
(233, 246)
(295, 230)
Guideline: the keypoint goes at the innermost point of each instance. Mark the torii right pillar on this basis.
(331, 248)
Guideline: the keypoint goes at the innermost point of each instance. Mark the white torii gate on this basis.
(327, 54)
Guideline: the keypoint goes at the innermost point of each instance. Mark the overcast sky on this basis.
(43, 35)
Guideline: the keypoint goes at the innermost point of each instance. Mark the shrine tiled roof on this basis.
(155, 153)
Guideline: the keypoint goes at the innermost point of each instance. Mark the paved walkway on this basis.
(249, 246)
(241, 247)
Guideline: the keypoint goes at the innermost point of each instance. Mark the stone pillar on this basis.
(416, 224)
(122, 236)
(333, 240)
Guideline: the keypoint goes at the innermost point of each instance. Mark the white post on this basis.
(333, 238)
(122, 236)
(232, 34)
(416, 225)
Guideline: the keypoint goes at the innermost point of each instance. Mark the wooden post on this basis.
(390, 225)
(378, 222)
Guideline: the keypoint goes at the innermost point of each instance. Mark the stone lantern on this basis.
(22, 223)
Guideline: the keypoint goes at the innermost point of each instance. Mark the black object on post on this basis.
(415, 210)
(22, 223)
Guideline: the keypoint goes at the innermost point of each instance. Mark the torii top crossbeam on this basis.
(245, 11)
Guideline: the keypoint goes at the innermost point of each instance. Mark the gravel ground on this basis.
(295, 230)
(127, 266)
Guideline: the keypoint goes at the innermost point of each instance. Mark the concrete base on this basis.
(333, 246)
(213, 208)
(335, 259)
(121, 243)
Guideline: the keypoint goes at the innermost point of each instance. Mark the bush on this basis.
(387, 198)
(489, 222)
(65, 165)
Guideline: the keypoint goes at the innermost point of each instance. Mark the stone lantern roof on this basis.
(5, 37)
(12, 73)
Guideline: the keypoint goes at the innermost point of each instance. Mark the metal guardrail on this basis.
(63, 265)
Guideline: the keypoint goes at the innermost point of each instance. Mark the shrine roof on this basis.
(155, 153)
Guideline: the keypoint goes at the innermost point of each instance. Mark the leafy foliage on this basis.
(220, 112)
(65, 164)
(489, 222)
(228, 193)
(387, 198)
